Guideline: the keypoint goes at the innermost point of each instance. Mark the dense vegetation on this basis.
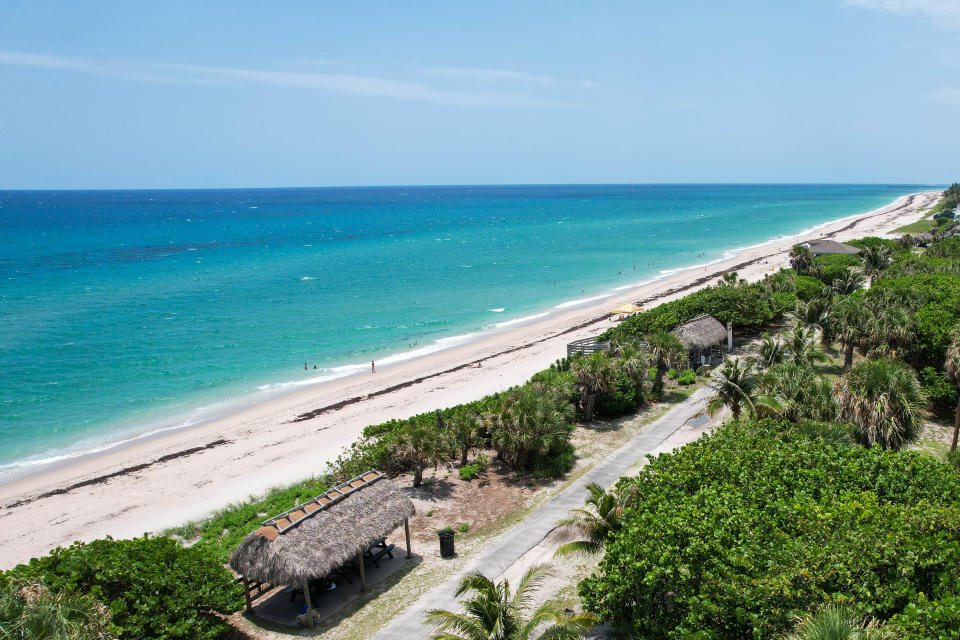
(807, 507)
(745, 305)
(151, 587)
(779, 514)
(736, 534)
(948, 203)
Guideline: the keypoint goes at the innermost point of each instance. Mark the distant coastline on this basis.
(197, 470)
(227, 401)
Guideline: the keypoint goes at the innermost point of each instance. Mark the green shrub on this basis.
(940, 390)
(555, 462)
(446, 531)
(926, 619)
(831, 266)
(873, 241)
(672, 374)
(953, 458)
(626, 397)
(935, 300)
(464, 527)
(750, 305)
(741, 531)
(30, 611)
(809, 288)
(469, 471)
(687, 377)
(783, 302)
(154, 587)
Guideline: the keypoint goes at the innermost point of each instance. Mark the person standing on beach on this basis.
(373, 367)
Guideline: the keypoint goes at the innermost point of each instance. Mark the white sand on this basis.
(265, 449)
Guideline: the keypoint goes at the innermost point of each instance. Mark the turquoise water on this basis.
(126, 312)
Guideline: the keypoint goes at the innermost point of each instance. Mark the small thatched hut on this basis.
(703, 336)
(321, 535)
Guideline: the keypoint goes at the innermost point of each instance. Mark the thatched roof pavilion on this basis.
(700, 333)
(321, 535)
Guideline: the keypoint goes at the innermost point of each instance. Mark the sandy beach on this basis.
(163, 482)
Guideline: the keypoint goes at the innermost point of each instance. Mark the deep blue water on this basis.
(123, 312)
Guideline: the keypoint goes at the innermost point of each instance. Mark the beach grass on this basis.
(920, 226)
(226, 528)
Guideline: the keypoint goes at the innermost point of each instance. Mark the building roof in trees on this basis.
(823, 246)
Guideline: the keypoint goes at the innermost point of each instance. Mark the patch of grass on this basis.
(224, 530)
(916, 227)
(464, 527)
(429, 513)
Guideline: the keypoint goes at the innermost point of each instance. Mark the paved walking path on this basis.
(506, 549)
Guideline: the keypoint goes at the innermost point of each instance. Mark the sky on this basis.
(286, 94)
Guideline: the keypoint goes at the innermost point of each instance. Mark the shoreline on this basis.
(194, 470)
(128, 433)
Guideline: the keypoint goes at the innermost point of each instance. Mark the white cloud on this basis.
(341, 83)
(493, 75)
(944, 12)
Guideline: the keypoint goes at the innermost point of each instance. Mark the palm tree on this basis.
(667, 352)
(601, 514)
(463, 426)
(730, 279)
(887, 329)
(952, 367)
(884, 401)
(906, 241)
(493, 612)
(772, 351)
(531, 420)
(33, 611)
(813, 313)
(801, 260)
(735, 386)
(847, 282)
(803, 346)
(875, 259)
(837, 623)
(799, 392)
(421, 446)
(848, 319)
(596, 376)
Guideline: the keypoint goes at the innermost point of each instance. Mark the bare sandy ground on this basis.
(167, 481)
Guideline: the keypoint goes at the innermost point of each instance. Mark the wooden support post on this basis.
(246, 595)
(306, 597)
(361, 571)
(406, 532)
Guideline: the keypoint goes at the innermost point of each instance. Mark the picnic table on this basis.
(372, 555)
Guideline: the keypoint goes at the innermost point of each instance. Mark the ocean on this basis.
(124, 313)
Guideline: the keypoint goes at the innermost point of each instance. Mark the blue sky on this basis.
(244, 94)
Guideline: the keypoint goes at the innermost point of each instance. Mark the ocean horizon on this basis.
(128, 313)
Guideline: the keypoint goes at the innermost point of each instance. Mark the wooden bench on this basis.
(386, 550)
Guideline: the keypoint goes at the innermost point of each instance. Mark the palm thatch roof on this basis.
(314, 538)
(701, 333)
(824, 246)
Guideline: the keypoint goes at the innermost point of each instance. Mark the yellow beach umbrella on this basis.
(625, 309)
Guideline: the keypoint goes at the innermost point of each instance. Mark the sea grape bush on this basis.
(154, 588)
(736, 534)
(747, 305)
(828, 268)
